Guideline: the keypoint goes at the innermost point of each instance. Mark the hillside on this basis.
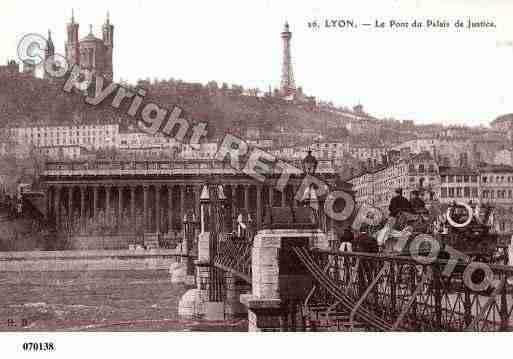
(29, 101)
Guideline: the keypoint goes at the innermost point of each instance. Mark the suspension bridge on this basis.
(290, 277)
(284, 270)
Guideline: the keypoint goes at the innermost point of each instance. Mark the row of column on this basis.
(63, 198)
(247, 197)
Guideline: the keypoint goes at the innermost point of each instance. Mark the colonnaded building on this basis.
(113, 204)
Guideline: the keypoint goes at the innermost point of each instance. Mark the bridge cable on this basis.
(369, 317)
(327, 283)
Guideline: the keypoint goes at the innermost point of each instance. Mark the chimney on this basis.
(463, 159)
(435, 153)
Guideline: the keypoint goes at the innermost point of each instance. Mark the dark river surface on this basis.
(142, 300)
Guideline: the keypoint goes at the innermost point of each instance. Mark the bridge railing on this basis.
(383, 292)
(234, 255)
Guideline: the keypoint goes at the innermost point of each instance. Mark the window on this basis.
(450, 179)
(451, 192)
(443, 192)
(421, 167)
(443, 179)
(465, 179)
(466, 192)
(473, 178)
(458, 192)
(485, 193)
(458, 179)
(474, 192)
(484, 179)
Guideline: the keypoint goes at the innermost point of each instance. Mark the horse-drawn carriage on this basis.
(459, 227)
(470, 230)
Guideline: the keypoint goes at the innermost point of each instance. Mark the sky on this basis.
(451, 76)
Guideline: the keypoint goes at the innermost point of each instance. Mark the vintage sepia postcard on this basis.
(254, 166)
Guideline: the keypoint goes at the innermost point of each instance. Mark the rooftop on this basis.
(495, 168)
(503, 118)
(91, 38)
(457, 171)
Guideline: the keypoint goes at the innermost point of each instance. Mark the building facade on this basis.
(489, 184)
(496, 188)
(459, 184)
(376, 186)
(503, 123)
(62, 152)
(52, 139)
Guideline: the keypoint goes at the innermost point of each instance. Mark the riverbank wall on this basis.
(87, 260)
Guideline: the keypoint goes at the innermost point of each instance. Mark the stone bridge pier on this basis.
(280, 282)
(183, 271)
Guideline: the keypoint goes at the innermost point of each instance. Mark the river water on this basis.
(143, 300)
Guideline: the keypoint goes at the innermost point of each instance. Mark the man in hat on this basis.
(346, 240)
(399, 204)
(365, 242)
(417, 204)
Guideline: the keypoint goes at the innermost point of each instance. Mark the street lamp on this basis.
(221, 196)
(185, 239)
(204, 201)
(426, 189)
(310, 198)
(310, 194)
(309, 164)
(223, 200)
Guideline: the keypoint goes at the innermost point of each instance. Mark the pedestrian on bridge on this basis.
(399, 204)
(346, 239)
(365, 242)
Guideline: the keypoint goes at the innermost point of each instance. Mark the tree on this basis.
(212, 86)
(237, 89)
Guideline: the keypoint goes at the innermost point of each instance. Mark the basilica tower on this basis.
(49, 50)
(72, 45)
(108, 41)
(91, 53)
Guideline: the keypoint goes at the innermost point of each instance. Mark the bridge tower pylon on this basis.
(207, 299)
(280, 282)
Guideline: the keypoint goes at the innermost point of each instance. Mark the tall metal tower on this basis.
(288, 87)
